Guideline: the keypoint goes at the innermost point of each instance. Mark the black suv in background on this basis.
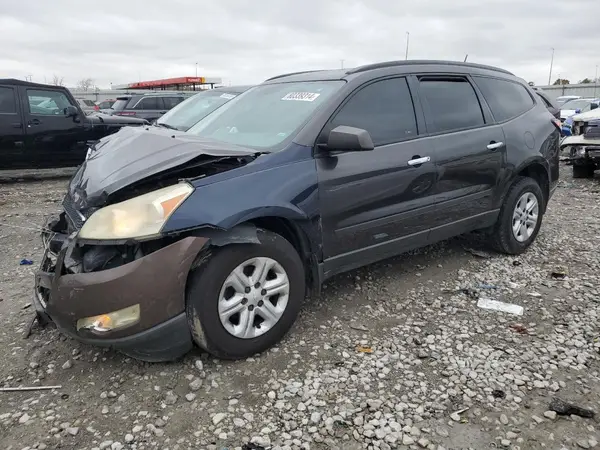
(215, 235)
(148, 106)
(43, 126)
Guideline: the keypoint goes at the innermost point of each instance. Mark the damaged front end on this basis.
(584, 145)
(110, 276)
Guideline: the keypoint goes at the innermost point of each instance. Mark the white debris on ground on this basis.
(395, 355)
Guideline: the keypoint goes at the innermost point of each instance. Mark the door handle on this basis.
(495, 145)
(34, 122)
(17, 125)
(419, 160)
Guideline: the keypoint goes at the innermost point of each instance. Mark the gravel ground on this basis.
(394, 355)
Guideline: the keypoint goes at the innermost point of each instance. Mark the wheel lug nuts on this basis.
(247, 290)
(250, 308)
(244, 301)
(257, 285)
(263, 292)
(260, 303)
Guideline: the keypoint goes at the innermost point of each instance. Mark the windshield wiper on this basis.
(170, 127)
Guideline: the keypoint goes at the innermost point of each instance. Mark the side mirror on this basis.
(71, 111)
(344, 138)
(578, 110)
(593, 106)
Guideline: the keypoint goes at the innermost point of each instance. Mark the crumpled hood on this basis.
(105, 119)
(135, 153)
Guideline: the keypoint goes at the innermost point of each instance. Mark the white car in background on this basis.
(577, 106)
(565, 98)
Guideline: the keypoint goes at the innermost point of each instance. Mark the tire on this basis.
(503, 237)
(583, 171)
(206, 284)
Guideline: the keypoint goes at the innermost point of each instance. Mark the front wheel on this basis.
(520, 217)
(246, 297)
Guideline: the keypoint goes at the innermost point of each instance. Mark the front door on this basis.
(52, 139)
(11, 129)
(470, 151)
(378, 203)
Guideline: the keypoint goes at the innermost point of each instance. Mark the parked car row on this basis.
(215, 235)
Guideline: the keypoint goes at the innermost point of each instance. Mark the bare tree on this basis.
(58, 81)
(85, 84)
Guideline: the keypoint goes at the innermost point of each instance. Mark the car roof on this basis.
(407, 65)
(237, 89)
(18, 82)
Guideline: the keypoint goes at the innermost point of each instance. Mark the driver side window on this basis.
(47, 103)
(383, 108)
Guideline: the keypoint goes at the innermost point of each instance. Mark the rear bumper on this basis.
(156, 282)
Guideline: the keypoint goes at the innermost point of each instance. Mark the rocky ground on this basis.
(395, 355)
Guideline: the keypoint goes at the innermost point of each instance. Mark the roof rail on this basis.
(383, 65)
(293, 73)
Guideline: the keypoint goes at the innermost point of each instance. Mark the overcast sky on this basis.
(248, 41)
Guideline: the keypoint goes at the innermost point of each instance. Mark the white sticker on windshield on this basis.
(227, 96)
(301, 96)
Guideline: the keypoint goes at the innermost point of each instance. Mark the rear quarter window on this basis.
(506, 99)
(8, 104)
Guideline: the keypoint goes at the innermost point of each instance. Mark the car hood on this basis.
(138, 153)
(588, 115)
(105, 119)
(564, 113)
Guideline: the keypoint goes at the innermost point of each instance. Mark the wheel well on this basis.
(299, 240)
(539, 174)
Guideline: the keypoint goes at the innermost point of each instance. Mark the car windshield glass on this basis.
(575, 104)
(266, 115)
(89, 103)
(195, 108)
(120, 104)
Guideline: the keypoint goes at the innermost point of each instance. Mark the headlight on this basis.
(139, 217)
(111, 321)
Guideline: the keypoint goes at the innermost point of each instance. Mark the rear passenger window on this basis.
(149, 103)
(384, 108)
(170, 102)
(507, 100)
(7, 101)
(453, 103)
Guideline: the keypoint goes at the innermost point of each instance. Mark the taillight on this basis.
(96, 107)
(557, 123)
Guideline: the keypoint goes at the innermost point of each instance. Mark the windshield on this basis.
(575, 104)
(562, 100)
(266, 115)
(195, 108)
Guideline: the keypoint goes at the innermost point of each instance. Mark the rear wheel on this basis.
(583, 171)
(246, 297)
(520, 217)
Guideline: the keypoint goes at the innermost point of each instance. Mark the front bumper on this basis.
(155, 281)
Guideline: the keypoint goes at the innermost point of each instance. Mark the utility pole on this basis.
(196, 70)
(407, 41)
(342, 61)
(551, 62)
(466, 56)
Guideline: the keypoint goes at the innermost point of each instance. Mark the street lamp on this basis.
(551, 62)
(407, 40)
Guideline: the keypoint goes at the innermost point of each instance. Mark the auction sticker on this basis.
(301, 96)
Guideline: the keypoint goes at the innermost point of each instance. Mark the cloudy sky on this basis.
(247, 41)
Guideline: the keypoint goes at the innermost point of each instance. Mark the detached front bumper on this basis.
(155, 281)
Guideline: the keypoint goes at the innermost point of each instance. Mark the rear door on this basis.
(12, 150)
(470, 153)
(51, 138)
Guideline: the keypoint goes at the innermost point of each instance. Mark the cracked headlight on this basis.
(139, 217)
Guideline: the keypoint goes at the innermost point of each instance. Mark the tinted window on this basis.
(149, 103)
(505, 98)
(384, 109)
(7, 100)
(453, 104)
(120, 104)
(546, 102)
(170, 102)
(53, 102)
